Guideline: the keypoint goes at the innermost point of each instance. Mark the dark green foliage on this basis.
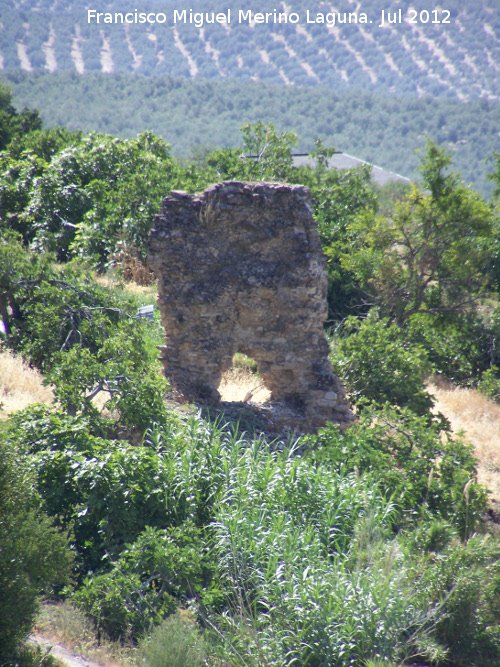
(196, 112)
(107, 491)
(490, 383)
(362, 550)
(303, 548)
(422, 469)
(44, 143)
(432, 255)
(378, 364)
(12, 123)
(85, 338)
(159, 570)
(19, 270)
(463, 349)
(34, 556)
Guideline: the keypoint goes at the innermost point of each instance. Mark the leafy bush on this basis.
(54, 313)
(426, 472)
(109, 491)
(85, 338)
(314, 560)
(377, 364)
(99, 192)
(413, 261)
(490, 383)
(146, 583)
(34, 556)
(460, 349)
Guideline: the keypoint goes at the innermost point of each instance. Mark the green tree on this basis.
(432, 255)
(13, 123)
(147, 582)
(98, 193)
(20, 270)
(270, 153)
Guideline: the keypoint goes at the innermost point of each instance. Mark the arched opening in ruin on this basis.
(241, 383)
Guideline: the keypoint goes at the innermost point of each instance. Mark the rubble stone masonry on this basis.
(240, 269)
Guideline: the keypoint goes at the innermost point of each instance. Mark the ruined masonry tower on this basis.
(240, 269)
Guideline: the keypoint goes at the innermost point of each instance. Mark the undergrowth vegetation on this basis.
(191, 540)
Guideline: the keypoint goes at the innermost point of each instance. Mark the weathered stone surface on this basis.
(240, 269)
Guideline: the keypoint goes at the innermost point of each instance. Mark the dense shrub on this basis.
(377, 363)
(490, 383)
(461, 349)
(34, 556)
(426, 472)
(353, 548)
(150, 578)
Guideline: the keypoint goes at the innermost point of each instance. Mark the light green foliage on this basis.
(490, 383)
(124, 367)
(315, 575)
(18, 175)
(44, 143)
(431, 255)
(419, 466)
(298, 556)
(266, 155)
(272, 151)
(377, 363)
(34, 557)
(362, 551)
(100, 192)
(18, 268)
(338, 197)
(174, 643)
(21, 165)
(108, 491)
(85, 337)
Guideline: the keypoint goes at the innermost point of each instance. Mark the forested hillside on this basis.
(198, 113)
(452, 51)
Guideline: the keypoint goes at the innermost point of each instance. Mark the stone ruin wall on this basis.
(241, 269)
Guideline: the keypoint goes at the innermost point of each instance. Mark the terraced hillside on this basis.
(452, 51)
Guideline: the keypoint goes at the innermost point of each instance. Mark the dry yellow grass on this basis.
(239, 384)
(67, 626)
(20, 385)
(109, 280)
(479, 419)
